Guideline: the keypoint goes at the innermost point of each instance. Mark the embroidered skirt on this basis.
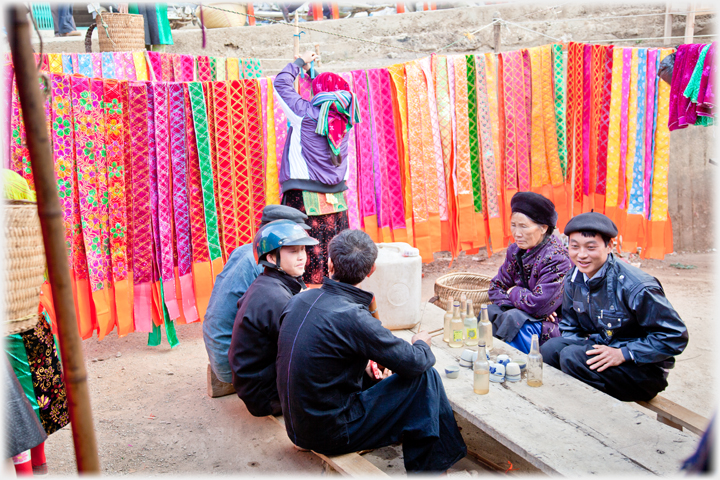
(322, 228)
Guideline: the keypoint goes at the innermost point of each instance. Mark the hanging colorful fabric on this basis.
(351, 194)
(67, 66)
(366, 197)
(119, 60)
(87, 113)
(467, 229)
(177, 66)
(19, 154)
(559, 91)
(538, 155)
(85, 65)
(659, 238)
(166, 67)
(65, 172)
(624, 125)
(56, 62)
(479, 195)
(706, 93)
(208, 185)
(400, 114)
(574, 173)
(586, 126)
(492, 186)
(650, 127)
(108, 65)
(603, 133)
(442, 95)
(272, 185)
(155, 277)
(130, 72)
(141, 66)
(114, 144)
(188, 68)
(251, 68)
(155, 65)
(225, 183)
(233, 69)
(614, 136)
(178, 153)
(220, 69)
(203, 69)
(382, 195)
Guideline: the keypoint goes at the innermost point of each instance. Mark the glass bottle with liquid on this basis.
(534, 363)
(486, 327)
(448, 319)
(457, 327)
(481, 372)
(471, 326)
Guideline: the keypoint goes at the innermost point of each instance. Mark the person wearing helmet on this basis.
(239, 272)
(279, 246)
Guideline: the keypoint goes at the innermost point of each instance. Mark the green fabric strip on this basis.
(155, 337)
(213, 68)
(693, 87)
(559, 84)
(311, 200)
(473, 131)
(17, 356)
(197, 100)
(164, 31)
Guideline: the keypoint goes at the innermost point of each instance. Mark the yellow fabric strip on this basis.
(221, 74)
(272, 185)
(551, 140)
(140, 66)
(659, 206)
(462, 164)
(233, 69)
(493, 102)
(539, 171)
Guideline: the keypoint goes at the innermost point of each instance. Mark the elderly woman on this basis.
(526, 293)
(314, 163)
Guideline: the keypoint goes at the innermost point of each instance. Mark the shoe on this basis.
(74, 33)
(40, 469)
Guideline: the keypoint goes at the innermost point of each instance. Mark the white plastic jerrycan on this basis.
(396, 284)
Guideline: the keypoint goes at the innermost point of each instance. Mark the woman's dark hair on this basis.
(353, 254)
(592, 233)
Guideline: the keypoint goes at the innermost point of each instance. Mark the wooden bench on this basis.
(670, 413)
(564, 427)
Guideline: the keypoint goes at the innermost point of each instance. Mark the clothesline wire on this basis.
(649, 38)
(305, 27)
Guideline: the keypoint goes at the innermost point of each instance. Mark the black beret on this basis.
(593, 221)
(537, 208)
(283, 212)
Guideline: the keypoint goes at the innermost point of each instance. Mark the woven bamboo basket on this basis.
(473, 285)
(24, 266)
(126, 32)
(213, 18)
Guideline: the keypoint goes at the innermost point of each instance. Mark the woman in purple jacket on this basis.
(314, 165)
(526, 293)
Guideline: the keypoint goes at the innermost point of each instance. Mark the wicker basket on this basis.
(25, 265)
(126, 31)
(473, 285)
(213, 18)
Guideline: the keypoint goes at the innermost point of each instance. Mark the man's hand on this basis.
(424, 336)
(374, 372)
(307, 58)
(510, 289)
(605, 357)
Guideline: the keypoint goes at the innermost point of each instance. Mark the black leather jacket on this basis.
(623, 307)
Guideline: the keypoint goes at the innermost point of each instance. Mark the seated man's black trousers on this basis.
(414, 411)
(627, 382)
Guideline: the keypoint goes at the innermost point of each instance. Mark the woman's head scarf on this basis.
(536, 207)
(338, 110)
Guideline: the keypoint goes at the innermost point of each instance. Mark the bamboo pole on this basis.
(496, 32)
(296, 38)
(53, 231)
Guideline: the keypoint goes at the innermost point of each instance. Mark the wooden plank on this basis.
(690, 24)
(677, 414)
(348, 464)
(564, 427)
(668, 24)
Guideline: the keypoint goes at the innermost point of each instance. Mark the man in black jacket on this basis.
(280, 247)
(619, 331)
(326, 338)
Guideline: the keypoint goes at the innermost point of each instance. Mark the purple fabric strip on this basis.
(706, 97)
(587, 97)
(686, 109)
(652, 68)
(152, 160)
(627, 64)
(179, 181)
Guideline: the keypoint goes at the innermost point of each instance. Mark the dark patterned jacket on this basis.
(538, 275)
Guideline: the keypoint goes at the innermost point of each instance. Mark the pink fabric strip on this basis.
(351, 194)
(521, 124)
(263, 102)
(97, 65)
(177, 65)
(527, 93)
(6, 85)
(152, 155)
(188, 68)
(392, 172)
(74, 58)
(180, 199)
(162, 145)
(380, 159)
(166, 66)
(437, 143)
(120, 66)
(305, 87)
(364, 147)
(508, 84)
(129, 66)
(142, 235)
(627, 63)
(155, 64)
(280, 129)
(587, 101)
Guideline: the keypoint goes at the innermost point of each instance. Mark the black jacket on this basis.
(253, 347)
(623, 307)
(326, 338)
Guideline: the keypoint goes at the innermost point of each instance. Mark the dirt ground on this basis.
(153, 416)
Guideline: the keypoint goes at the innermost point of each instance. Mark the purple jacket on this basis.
(540, 292)
(306, 163)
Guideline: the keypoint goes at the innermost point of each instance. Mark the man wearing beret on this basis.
(619, 332)
(237, 275)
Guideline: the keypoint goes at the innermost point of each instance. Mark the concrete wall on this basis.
(428, 32)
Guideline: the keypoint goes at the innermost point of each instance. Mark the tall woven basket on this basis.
(24, 264)
(473, 285)
(125, 32)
